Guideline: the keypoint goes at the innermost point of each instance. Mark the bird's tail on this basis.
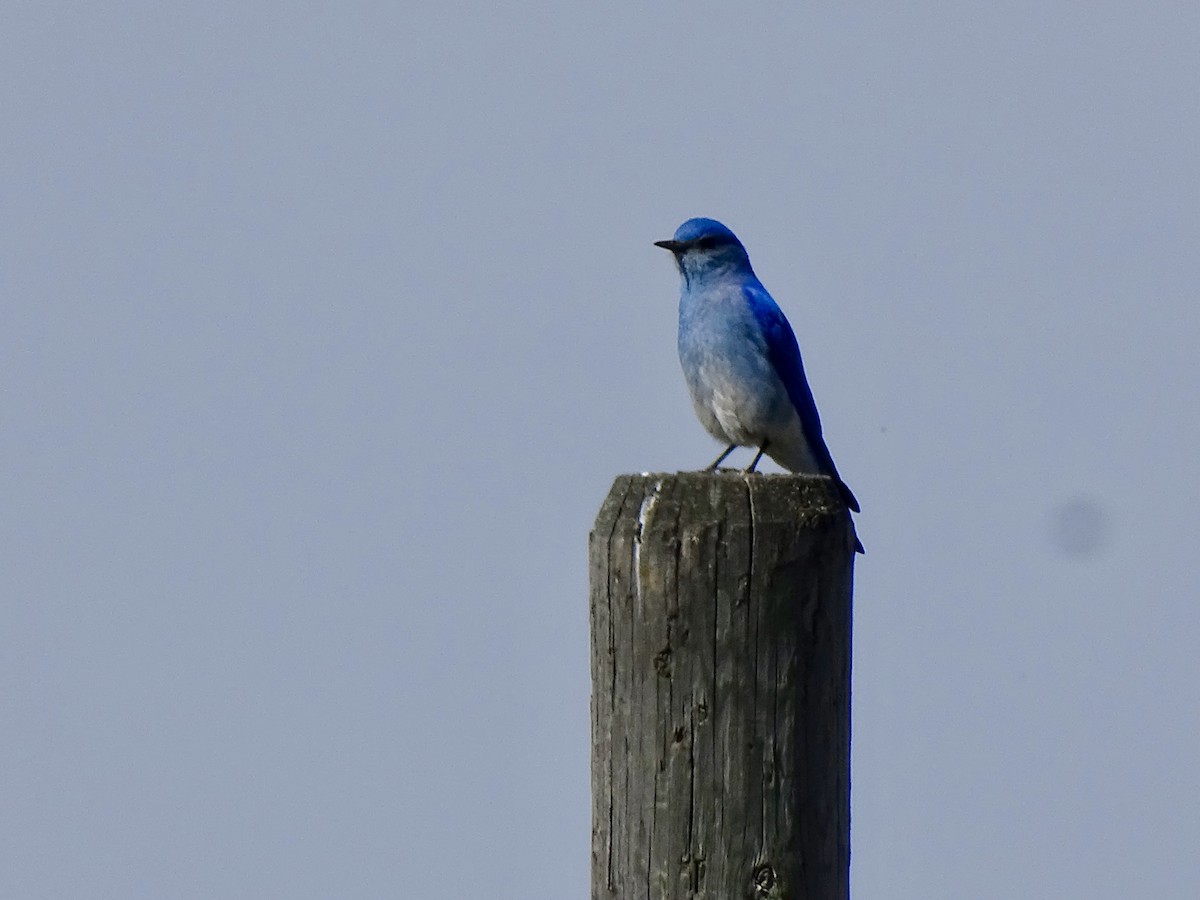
(851, 504)
(847, 495)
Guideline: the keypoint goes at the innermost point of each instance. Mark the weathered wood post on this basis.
(720, 612)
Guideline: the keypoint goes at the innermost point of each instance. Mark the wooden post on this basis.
(720, 610)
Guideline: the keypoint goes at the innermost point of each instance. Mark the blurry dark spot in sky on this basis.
(1078, 527)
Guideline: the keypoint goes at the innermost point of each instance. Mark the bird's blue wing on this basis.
(784, 353)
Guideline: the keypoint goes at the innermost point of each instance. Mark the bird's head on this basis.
(704, 248)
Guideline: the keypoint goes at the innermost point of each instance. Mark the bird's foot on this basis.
(715, 465)
(754, 463)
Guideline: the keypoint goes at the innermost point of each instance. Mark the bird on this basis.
(741, 360)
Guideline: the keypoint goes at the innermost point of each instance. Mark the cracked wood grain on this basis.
(720, 654)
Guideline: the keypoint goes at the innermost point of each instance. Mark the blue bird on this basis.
(740, 357)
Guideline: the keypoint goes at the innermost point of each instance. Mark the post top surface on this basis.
(723, 495)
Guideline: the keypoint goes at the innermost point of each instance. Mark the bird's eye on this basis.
(706, 243)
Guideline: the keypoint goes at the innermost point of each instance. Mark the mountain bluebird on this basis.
(740, 357)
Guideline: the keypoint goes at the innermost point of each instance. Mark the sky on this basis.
(325, 329)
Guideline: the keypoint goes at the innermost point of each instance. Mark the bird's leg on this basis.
(720, 459)
(758, 456)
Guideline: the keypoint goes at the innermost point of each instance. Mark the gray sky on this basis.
(325, 329)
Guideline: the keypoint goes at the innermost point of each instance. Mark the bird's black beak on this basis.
(673, 246)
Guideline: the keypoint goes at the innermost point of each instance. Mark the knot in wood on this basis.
(662, 662)
(764, 880)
